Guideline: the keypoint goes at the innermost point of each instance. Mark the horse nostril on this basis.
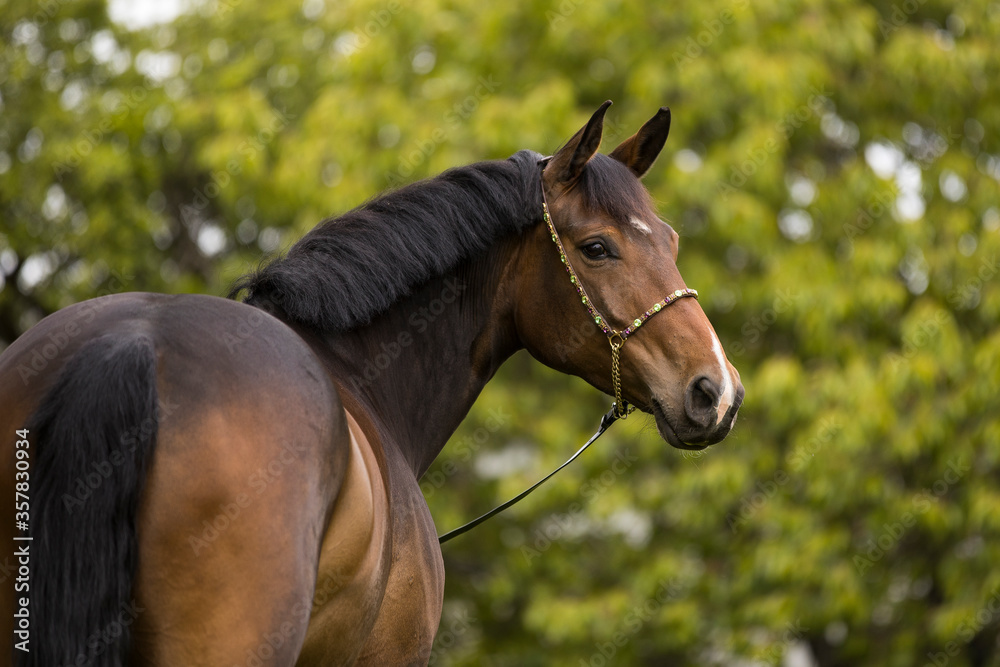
(702, 397)
(710, 389)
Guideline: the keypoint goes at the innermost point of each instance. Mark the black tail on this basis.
(92, 439)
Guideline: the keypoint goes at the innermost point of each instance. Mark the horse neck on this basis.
(417, 369)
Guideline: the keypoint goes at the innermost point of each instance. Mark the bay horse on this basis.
(206, 481)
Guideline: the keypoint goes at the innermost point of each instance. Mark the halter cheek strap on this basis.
(621, 408)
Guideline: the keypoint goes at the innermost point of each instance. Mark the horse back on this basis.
(252, 446)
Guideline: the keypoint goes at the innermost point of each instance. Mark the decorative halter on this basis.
(620, 408)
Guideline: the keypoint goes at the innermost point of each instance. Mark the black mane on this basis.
(349, 269)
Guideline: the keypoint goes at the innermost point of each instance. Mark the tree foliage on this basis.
(833, 170)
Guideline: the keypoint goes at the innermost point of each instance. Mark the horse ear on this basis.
(568, 163)
(639, 151)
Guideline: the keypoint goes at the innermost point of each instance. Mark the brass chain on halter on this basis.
(616, 345)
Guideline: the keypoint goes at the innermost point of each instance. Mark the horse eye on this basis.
(595, 250)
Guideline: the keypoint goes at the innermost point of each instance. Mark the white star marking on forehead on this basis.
(640, 225)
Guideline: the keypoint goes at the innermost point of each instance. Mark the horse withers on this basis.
(214, 482)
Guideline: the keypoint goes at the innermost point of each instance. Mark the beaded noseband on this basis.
(621, 408)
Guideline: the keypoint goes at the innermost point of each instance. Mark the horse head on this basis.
(606, 264)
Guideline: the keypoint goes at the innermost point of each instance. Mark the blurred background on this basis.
(833, 171)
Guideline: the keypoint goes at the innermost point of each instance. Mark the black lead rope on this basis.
(606, 422)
